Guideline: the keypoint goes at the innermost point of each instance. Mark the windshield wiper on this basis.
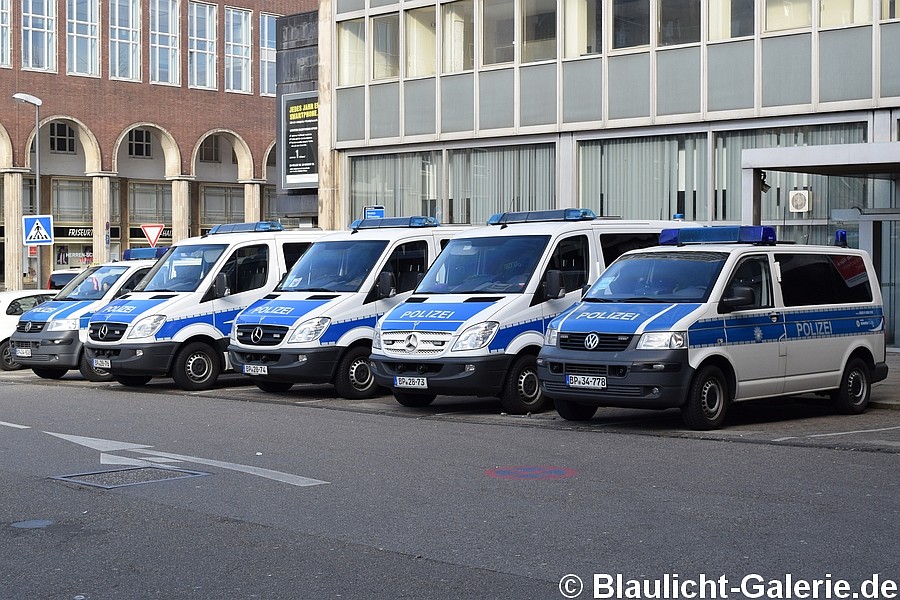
(644, 300)
(595, 299)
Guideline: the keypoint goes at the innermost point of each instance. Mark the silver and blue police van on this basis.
(476, 322)
(718, 315)
(49, 338)
(316, 325)
(177, 321)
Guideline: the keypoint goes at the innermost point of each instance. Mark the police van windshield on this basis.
(658, 277)
(333, 267)
(182, 268)
(490, 265)
(92, 283)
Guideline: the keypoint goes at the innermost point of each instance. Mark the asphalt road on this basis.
(305, 495)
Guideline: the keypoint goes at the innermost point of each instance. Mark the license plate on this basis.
(411, 382)
(101, 363)
(23, 352)
(256, 370)
(586, 381)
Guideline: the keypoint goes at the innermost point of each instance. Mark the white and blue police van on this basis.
(49, 338)
(718, 315)
(316, 326)
(476, 322)
(177, 321)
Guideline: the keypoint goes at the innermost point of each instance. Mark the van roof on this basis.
(558, 227)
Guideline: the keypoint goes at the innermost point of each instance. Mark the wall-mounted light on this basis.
(763, 186)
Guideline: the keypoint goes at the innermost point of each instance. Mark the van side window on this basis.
(823, 279)
(408, 262)
(133, 280)
(293, 251)
(247, 268)
(571, 256)
(753, 272)
(616, 244)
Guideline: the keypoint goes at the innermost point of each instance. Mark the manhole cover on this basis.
(132, 476)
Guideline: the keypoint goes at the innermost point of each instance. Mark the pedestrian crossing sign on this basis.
(37, 230)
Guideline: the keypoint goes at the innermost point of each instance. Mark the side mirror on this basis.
(386, 287)
(741, 296)
(220, 286)
(553, 285)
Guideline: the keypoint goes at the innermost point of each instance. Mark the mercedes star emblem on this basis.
(256, 335)
(411, 343)
(102, 332)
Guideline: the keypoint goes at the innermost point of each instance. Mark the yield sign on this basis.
(152, 233)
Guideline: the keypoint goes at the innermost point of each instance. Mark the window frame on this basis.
(62, 141)
(268, 48)
(125, 37)
(239, 53)
(47, 33)
(83, 32)
(202, 42)
(165, 41)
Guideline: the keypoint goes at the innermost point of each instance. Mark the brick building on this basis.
(159, 111)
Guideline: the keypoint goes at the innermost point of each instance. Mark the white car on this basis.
(12, 305)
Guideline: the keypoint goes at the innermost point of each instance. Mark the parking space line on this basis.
(818, 435)
(14, 426)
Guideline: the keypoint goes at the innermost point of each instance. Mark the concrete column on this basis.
(252, 201)
(331, 210)
(181, 210)
(101, 191)
(12, 223)
(751, 213)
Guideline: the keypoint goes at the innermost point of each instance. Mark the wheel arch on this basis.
(727, 369)
(206, 339)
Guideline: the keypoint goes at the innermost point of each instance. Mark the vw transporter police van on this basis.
(316, 326)
(719, 315)
(177, 321)
(476, 322)
(49, 338)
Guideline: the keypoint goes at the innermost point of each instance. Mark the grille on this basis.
(261, 335)
(106, 332)
(415, 343)
(598, 370)
(18, 344)
(30, 326)
(609, 342)
(618, 391)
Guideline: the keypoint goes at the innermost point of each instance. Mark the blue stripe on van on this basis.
(336, 330)
(432, 316)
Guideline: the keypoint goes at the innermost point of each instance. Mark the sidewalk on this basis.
(886, 394)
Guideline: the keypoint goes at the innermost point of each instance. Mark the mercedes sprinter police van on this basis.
(316, 326)
(49, 338)
(177, 321)
(476, 322)
(719, 315)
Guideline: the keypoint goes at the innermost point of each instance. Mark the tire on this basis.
(573, 411)
(354, 379)
(196, 367)
(522, 391)
(852, 397)
(414, 400)
(88, 371)
(7, 362)
(273, 387)
(47, 373)
(132, 380)
(707, 401)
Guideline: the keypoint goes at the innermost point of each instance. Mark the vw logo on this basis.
(591, 341)
(102, 332)
(27, 326)
(411, 343)
(256, 335)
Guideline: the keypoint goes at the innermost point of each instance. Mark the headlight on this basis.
(62, 325)
(311, 330)
(551, 336)
(147, 326)
(476, 336)
(664, 340)
(233, 335)
(376, 339)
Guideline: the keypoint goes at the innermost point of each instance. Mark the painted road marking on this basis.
(14, 426)
(818, 435)
(288, 478)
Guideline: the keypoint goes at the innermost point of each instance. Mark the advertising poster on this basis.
(300, 141)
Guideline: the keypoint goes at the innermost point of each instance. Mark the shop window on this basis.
(420, 42)
(679, 22)
(209, 150)
(62, 138)
(583, 27)
(458, 36)
(386, 47)
(221, 204)
(139, 143)
(730, 19)
(351, 42)
(631, 23)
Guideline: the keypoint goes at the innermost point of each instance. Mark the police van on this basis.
(177, 321)
(476, 322)
(316, 326)
(718, 315)
(50, 337)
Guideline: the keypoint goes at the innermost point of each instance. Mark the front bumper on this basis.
(315, 365)
(48, 349)
(153, 359)
(634, 378)
(472, 376)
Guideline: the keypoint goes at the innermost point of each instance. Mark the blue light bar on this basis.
(144, 253)
(535, 216)
(247, 227)
(418, 221)
(840, 238)
(726, 234)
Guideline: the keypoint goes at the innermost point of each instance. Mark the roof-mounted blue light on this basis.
(144, 253)
(727, 234)
(418, 221)
(840, 238)
(246, 227)
(535, 216)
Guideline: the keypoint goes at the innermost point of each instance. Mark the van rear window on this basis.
(810, 279)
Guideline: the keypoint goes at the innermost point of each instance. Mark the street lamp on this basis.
(36, 102)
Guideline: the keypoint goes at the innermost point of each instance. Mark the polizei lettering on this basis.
(117, 309)
(813, 328)
(428, 314)
(610, 315)
(273, 310)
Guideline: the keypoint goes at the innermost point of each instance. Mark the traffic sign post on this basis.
(152, 232)
(37, 230)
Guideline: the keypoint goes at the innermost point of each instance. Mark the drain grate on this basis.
(131, 476)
